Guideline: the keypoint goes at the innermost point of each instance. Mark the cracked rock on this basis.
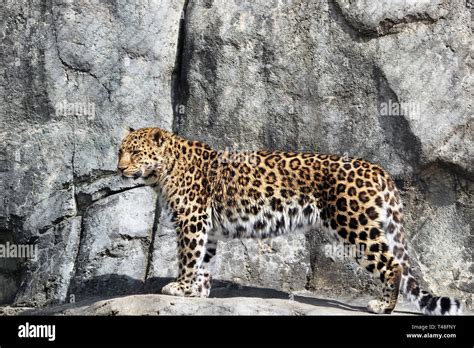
(383, 17)
(116, 235)
(75, 77)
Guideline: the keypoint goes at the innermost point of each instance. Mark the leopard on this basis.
(209, 195)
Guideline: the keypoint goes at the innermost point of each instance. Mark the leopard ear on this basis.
(130, 129)
(157, 137)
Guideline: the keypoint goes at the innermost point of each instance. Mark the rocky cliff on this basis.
(389, 81)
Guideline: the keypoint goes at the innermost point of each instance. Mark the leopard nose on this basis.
(121, 168)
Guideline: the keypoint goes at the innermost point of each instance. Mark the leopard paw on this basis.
(375, 306)
(174, 289)
(380, 307)
(202, 285)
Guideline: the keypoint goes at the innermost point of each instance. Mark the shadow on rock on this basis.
(111, 286)
(223, 289)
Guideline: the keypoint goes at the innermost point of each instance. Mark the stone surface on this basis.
(323, 76)
(225, 300)
(386, 16)
(254, 301)
(116, 237)
(279, 263)
(76, 75)
(55, 260)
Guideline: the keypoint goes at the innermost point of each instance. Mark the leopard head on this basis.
(142, 153)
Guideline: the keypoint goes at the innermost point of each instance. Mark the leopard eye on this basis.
(135, 152)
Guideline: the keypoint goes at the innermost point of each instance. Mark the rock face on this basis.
(388, 81)
(76, 75)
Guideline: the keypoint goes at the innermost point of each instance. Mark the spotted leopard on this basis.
(213, 196)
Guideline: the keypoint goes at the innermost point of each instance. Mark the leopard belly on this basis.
(262, 221)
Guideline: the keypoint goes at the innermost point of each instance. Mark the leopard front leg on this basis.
(204, 279)
(194, 278)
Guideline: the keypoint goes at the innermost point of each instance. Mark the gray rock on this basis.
(55, 258)
(223, 301)
(278, 263)
(116, 237)
(76, 75)
(384, 17)
(270, 304)
(164, 257)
